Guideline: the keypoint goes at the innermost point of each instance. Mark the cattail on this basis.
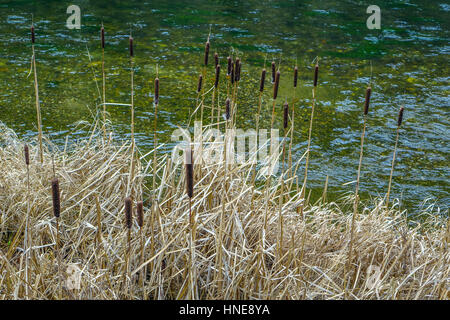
(216, 59)
(316, 74)
(366, 103)
(400, 117)
(263, 78)
(102, 32)
(237, 71)
(199, 86)
(189, 173)
(131, 46)
(216, 82)
(27, 155)
(32, 34)
(227, 108)
(140, 213)
(229, 66)
(273, 71)
(286, 115)
(156, 90)
(56, 200)
(206, 52)
(275, 86)
(295, 76)
(128, 214)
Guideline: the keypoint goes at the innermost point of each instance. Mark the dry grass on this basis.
(234, 251)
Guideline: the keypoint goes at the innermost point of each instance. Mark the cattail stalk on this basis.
(190, 193)
(316, 72)
(399, 123)
(28, 237)
(56, 212)
(280, 201)
(36, 90)
(355, 204)
(131, 174)
(216, 85)
(102, 36)
(140, 221)
(155, 138)
(128, 223)
(292, 120)
(275, 95)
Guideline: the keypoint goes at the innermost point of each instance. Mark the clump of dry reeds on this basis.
(411, 259)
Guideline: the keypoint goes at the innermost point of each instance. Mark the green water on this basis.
(409, 59)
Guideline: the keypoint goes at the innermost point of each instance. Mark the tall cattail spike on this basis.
(285, 115)
(216, 81)
(237, 71)
(295, 76)
(189, 173)
(276, 85)
(273, 72)
(102, 36)
(32, 34)
(400, 117)
(263, 78)
(227, 109)
(27, 155)
(316, 74)
(199, 85)
(229, 63)
(367, 101)
(56, 199)
(131, 47)
(156, 90)
(128, 212)
(140, 213)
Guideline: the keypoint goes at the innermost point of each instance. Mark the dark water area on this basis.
(407, 62)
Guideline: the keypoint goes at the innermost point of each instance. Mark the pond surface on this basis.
(407, 62)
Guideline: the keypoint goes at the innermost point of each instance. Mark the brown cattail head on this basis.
(237, 71)
(367, 101)
(102, 35)
(263, 78)
(27, 155)
(189, 172)
(273, 72)
(131, 46)
(227, 108)
(199, 86)
(295, 76)
(56, 199)
(276, 84)
(156, 90)
(316, 74)
(285, 115)
(32, 34)
(216, 81)
(229, 66)
(140, 213)
(400, 117)
(216, 59)
(206, 52)
(128, 213)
